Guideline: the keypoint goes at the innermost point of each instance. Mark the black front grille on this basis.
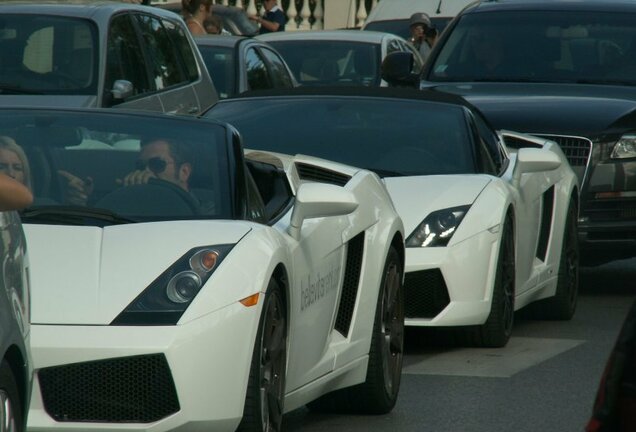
(322, 175)
(426, 294)
(350, 284)
(136, 389)
(615, 209)
(576, 149)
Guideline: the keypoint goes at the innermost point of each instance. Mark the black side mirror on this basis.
(397, 70)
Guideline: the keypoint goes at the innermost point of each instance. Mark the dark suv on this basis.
(558, 69)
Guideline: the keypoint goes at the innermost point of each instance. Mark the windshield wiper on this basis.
(73, 215)
(6, 88)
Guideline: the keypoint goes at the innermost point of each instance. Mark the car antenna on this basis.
(439, 7)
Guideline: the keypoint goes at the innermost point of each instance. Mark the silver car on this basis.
(85, 53)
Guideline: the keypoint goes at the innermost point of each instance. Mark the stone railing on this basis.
(309, 14)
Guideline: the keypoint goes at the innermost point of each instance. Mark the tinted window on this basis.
(280, 74)
(180, 40)
(401, 27)
(164, 62)
(124, 57)
(491, 142)
(546, 46)
(221, 65)
(432, 138)
(332, 62)
(257, 75)
(48, 55)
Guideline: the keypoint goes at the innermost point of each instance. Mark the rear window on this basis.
(48, 55)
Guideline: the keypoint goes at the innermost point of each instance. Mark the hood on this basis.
(88, 275)
(53, 101)
(417, 196)
(575, 109)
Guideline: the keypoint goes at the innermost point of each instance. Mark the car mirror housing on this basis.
(315, 200)
(397, 70)
(535, 160)
(122, 89)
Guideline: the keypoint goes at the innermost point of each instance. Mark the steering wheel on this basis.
(189, 199)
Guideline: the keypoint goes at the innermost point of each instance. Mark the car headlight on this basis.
(167, 297)
(438, 227)
(624, 148)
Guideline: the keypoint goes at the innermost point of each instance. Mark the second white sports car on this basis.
(179, 285)
(492, 228)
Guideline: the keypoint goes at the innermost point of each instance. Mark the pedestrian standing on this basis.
(195, 12)
(273, 20)
(420, 25)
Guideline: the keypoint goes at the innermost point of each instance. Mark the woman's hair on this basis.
(9, 143)
(192, 6)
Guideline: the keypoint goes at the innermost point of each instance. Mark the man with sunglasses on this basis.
(163, 159)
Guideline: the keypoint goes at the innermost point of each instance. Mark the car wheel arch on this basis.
(17, 363)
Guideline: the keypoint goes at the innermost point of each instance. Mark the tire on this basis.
(263, 410)
(563, 305)
(496, 331)
(378, 394)
(10, 406)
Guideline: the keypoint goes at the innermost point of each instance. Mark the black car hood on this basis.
(573, 109)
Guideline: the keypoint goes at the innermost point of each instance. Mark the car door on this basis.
(281, 75)
(256, 75)
(318, 263)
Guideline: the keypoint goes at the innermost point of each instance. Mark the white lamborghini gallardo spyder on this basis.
(180, 285)
(492, 225)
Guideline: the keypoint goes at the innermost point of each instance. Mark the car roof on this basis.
(227, 41)
(368, 92)
(75, 8)
(555, 5)
(402, 9)
(335, 35)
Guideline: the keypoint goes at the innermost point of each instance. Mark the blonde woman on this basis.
(13, 161)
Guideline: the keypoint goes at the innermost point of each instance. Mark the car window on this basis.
(164, 64)
(491, 142)
(257, 75)
(400, 27)
(433, 138)
(221, 65)
(184, 49)
(545, 46)
(125, 58)
(279, 73)
(331, 62)
(48, 55)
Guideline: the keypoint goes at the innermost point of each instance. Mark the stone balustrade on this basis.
(309, 14)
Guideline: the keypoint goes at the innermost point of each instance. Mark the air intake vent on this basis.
(546, 223)
(353, 266)
(426, 294)
(137, 389)
(317, 174)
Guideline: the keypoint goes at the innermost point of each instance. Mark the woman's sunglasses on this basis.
(154, 164)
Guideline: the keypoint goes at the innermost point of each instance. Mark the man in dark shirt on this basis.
(274, 19)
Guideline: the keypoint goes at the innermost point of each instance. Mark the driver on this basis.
(163, 159)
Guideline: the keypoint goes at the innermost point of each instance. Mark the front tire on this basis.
(496, 331)
(378, 394)
(263, 411)
(10, 407)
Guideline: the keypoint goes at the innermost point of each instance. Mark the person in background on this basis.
(213, 24)
(273, 20)
(194, 13)
(420, 25)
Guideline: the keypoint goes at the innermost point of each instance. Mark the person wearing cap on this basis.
(420, 27)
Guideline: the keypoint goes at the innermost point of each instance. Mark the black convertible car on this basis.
(559, 69)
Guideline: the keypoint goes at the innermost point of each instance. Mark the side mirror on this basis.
(397, 70)
(534, 160)
(122, 89)
(315, 200)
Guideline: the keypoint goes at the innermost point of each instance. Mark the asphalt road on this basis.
(545, 379)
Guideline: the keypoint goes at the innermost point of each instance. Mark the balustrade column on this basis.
(251, 8)
(318, 14)
(305, 14)
(292, 13)
(362, 14)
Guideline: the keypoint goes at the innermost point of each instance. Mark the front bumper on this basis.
(451, 286)
(208, 360)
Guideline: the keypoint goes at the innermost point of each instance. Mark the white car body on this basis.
(197, 369)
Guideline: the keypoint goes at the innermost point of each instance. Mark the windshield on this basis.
(541, 46)
(431, 138)
(220, 63)
(105, 168)
(324, 62)
(47, 55)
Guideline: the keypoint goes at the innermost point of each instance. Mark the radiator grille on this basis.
(576, 149)
(322, 175)
(353, 267)
(426, 294)
(136, 389)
